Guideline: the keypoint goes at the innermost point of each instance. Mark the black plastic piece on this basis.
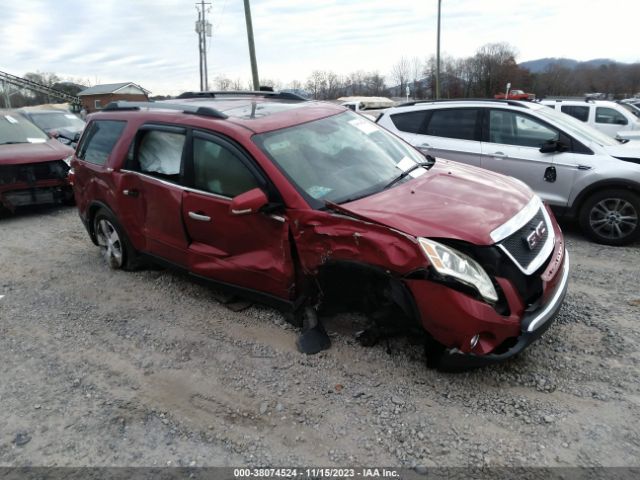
(513, 103)
(243, 93)
(185, 108)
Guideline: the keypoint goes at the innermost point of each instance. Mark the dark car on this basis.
(33, 167)
(307, 206)
(62, 125)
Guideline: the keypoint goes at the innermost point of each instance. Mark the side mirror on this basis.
(552, 146)
(549, 146)
(248, 202)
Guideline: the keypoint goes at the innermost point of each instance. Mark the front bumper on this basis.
(36, 193)
(533, 325)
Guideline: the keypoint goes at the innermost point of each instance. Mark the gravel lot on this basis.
(146, 368)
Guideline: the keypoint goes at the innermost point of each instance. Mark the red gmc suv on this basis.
(309, 206)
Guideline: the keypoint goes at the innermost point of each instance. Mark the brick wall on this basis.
(88, 101)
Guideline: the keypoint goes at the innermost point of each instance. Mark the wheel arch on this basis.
(362, 274)
(92, 210)
(609, 184)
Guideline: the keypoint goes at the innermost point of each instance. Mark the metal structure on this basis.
(7, 80)
(203, 29)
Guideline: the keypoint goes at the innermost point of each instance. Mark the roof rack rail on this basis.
(121, 105)
(230, 93)
(513, 103)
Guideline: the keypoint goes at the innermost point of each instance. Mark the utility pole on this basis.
(252, 48)
(203, 29)
(438, 55)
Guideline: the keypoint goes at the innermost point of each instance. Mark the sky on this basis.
(153, 42)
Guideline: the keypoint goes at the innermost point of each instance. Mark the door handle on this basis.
(500, 154)
(424, 145)
(131, 193)
(199, 217)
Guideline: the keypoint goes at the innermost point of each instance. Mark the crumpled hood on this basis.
(23, 153)
(451, 200)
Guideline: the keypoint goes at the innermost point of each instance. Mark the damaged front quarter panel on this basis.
(321, 237)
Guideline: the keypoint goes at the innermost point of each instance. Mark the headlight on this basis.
(452, 263)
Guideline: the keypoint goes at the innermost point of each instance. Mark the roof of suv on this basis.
(257, 111)
(484, 102)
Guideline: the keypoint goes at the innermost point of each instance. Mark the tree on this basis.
(400, 73)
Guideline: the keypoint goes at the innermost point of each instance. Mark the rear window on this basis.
(455, 123)
(410, 122)
(98, 141)
(579, 112)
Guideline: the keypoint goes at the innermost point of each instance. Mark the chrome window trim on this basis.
(182, 187)
(518, 221)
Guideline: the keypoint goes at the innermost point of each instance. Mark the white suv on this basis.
(608, 117)
(578, 170)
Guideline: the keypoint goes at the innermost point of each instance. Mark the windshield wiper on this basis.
(404, 174)
(11, 143)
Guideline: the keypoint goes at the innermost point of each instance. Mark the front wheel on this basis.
(611, 217)
(114, 244)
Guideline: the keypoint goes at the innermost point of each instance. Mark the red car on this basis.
(311, 207)
(516, 95)
(33, 168)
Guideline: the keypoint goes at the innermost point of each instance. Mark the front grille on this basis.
(33, 172)
(519, 249)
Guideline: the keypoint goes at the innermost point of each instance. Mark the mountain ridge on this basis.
(541, 64)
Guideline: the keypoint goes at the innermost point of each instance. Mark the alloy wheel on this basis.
(110, 243)
(613, 218)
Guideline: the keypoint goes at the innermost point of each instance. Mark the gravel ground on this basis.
(146, 368)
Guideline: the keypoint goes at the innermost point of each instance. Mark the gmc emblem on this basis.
(536, 236)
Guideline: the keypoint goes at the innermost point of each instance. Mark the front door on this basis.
(512, 147)
(251, 251)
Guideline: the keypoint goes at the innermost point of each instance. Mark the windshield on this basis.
(576, 128)
(53, 120)
(17, 129)
(339, 158)
(633, 109)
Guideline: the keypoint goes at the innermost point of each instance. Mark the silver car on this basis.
(579, 171)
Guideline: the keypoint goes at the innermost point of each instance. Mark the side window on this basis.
(99, 140)
(217, 170)
(610, 116)
(457, 123)
(410, 122)
(512, 128)
(579, 112)
(160, 154)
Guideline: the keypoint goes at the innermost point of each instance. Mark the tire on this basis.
(611, 217)
(114, 244)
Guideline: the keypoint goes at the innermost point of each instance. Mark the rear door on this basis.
(454, 134)
(451, 133)
(512, 147)
(152, 186)
(251, 251)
